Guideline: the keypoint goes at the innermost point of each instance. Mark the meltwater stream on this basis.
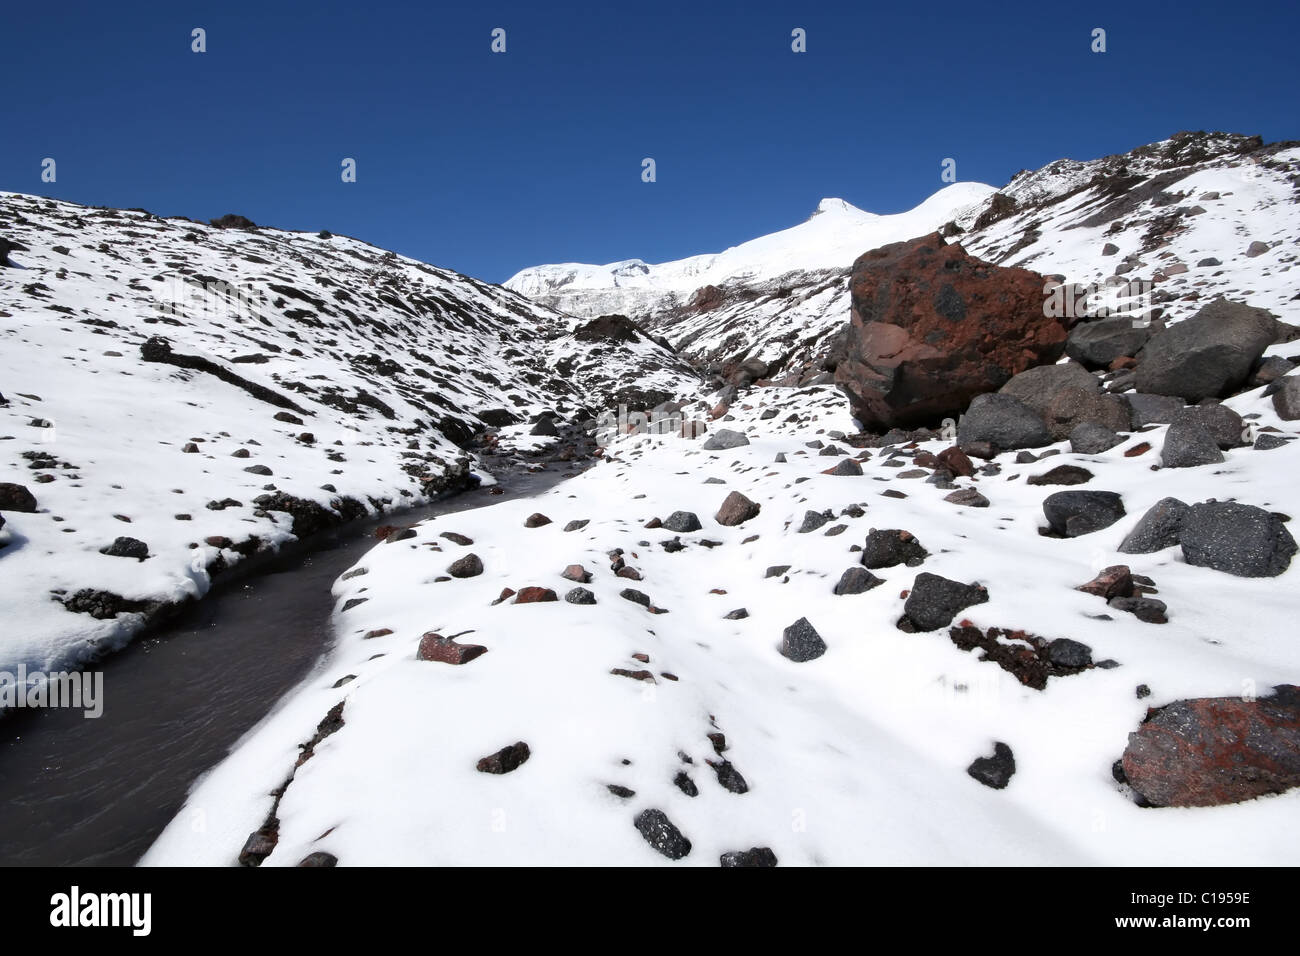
(78, 791)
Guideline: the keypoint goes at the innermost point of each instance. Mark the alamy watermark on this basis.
(1127, 298)
(656, 421)
(214, 299)
(32, 690)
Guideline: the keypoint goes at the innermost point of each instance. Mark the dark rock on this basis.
(754, 856)
(1090, 439)
(685, 784)
(729, 777)
(1062, 475)
(1210, 355)
(800, 642)
(580, 596)
(739, 614)
(724, 439)
(934, 601)
(1237, 539)
(967, 497)
(1004, 421)
(536, 520)
(1064, 652)
(848, 468)
(1286, 399)
(1074, 513)
(1189, 444)
(1143, 608)
(319, 859)
(682, 521)
(505, 760)
(1153, 409)
(635, 596)
(657, 830)
(1158, 529)
(127, 548)
(469, 566)
(15, 497)
(457, 538)
(856, 581)
(1097, 344)
(812, 520)
(995, 771)
(892, 546)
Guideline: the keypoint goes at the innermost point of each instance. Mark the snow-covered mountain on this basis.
(831, 238)
(1197, 215)
(203, 393)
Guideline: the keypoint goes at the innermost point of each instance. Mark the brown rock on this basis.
(535, 595)
(1115, 581)
(435, 647)
(505, 760)
(933, 326)
(736, 509)
(576, 572)
(1216, 750)
(536, 520)
(956, 461)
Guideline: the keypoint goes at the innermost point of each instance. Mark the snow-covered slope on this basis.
(310, 366)
(856, 757)
(1181, 214)
(831, 238)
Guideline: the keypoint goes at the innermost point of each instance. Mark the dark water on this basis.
(75, 791)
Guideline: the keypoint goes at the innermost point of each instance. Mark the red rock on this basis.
(1115, 581)
(736, 509)
(435, 647)
(632, 574)
(1123, 362)
(643, 658)
(505, 594)
(377, 632)
(933, 326)
(1216, 750)
(535, 595)
(956, 461)
(1141, 448)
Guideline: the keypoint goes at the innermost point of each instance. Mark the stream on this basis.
(97, 792)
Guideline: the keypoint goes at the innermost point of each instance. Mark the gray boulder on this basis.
(934, 601)
(725, 438)
(1097, 344)
(1089, 438)
(800, 642)
(1074, 513)
(1210, 355)
(1153, 409)
(1224, 425)
(682, 521)
(1158, 529)
(1286, 398)
(1038, 386)
(1003, 420)
(1237, 539)
(1188, 444)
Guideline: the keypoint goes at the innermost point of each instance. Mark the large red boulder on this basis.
(1216, 750)
(933, 326)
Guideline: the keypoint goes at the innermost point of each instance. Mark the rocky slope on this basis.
(180, 396)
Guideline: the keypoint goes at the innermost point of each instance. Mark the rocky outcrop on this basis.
(932, 327)
(1210, 355)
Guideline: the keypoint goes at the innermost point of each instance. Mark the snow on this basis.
(857, 757)
(430, 345)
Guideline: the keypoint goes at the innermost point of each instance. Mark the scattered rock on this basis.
(535, 595)
(657, 830)
(723, 439)
(995, 771)
(1158, 529)
(934, 601)
(800, 642)
(754, 856)
(1237, 539)
(1003, 421)
(505, 760)
(580, 596)
(1188, 444)
(892, 546)
(14, 497)
(1074, 513)
(445, 650)
(124, 547)
(682, 522)
(536, 520)
(469, 566)
(1210, 355)
(856, 581)
(736, 509)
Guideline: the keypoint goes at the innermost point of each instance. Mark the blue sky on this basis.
(487, 163)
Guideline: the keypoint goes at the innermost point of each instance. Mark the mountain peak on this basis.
(834, 205)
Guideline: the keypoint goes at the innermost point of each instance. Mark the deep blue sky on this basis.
(487, 163)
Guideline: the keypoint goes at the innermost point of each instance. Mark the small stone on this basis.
(995, 771)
